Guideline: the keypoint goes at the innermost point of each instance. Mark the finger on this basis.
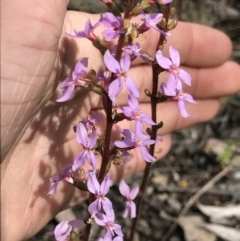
(206, 82)
(214, 82)
(169, 114)
(198, 45)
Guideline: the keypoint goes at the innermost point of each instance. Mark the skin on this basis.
(36, 132)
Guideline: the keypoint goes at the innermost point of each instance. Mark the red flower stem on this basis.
(156, 69)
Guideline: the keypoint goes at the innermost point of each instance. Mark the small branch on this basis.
(156, 69)
(194, 199)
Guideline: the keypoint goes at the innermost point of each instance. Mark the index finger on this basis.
(198, 45)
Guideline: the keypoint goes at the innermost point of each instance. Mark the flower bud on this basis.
(172, 10)
(140, 7)
(163, 23)
(172, 25)
(147, 93)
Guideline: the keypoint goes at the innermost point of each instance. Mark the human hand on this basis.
(37, 135)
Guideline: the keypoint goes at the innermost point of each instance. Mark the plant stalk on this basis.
(109, 124)
(156, 69)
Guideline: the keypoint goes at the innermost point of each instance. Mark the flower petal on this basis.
(185, 77)
(125, 62)
(132, 87)
(147, 119)
(79, 161)
(81, 134)
(114, 89)
(134, 192)
(105, 185)
(91, 159)
(93, 184)
(53, 188)
(174, 55)
(110, 34)
(100, 219)
(62, 231)
(182, 108)
(93, 208)
(118, 230)
(163, 61)
(133, 210)
(146, 155)
(77, 223)
(81, 67)
(124, 144)
(111, 63)
(109, 20)
(93, 140)
(67, 93)
(133, 103)
(189, 98)
(124, 189)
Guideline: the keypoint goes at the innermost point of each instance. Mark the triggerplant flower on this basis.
(180, 96)
(173, 66)
(130, 208)
(88, 144)
(134, 51)
(111, 21)
(77, 78)
(132, 112)
(89, 123)
(64, 229)
(99, 190)
(151, 21)
(107, 222)
(87, 32)
(64, 175)
(120, 69)
(132, 141)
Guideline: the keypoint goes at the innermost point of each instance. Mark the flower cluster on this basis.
(109, 83)
(174, 88)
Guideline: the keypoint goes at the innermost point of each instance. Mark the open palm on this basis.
(37, 135)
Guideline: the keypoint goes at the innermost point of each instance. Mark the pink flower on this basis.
(107, 222)
(65, 228)
(88, 143)
(151, 21)
(132, 112)
(139, 140)
(65, 175)
(99, 190)
(130, 208)
(180, 96)
(111, 21)
(172, 66)
(77, 78)
(87, 32)
(120, 69)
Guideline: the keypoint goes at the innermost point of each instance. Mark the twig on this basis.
(194, 198)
